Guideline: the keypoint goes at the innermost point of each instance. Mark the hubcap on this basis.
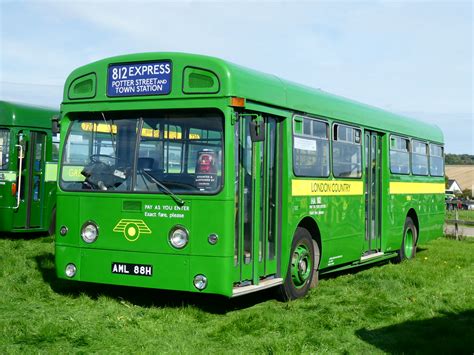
(300, 266)
(409, 243)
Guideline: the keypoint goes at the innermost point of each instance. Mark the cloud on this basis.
(401, 56)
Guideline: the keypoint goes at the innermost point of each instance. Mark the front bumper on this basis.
(170, 271)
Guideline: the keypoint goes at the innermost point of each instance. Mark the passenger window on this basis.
(310, 147)
(399, 155)
(346, 152)
(419, 158)
(4, 148)
(55, 152)
(436, 160)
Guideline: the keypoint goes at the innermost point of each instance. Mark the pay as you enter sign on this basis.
(137, 79)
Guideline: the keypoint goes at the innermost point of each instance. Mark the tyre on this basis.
(410, 235)
(301, 274)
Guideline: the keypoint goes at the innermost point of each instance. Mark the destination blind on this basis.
(138, 79)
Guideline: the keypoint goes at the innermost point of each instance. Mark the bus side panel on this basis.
(429, 209)
(342, 242)
(50, 183)
(398, 207)
(432, 221)
(6, 206)
(7, 179)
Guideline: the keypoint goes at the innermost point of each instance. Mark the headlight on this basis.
(179, 237)
(70, 270)
(200, 282)
(89, 232)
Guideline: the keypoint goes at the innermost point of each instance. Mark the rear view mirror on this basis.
(55, 125)
(257, 131)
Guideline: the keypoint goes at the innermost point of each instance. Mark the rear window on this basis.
(436, 160)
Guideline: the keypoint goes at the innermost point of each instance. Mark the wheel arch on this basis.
(311, 226)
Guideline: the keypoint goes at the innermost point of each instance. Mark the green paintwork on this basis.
(340, 227)
(386, 256)
(259, 87)
(20, 115)
(31, 121)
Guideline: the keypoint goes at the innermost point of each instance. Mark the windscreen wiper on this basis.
(164, 188)
(111, 132)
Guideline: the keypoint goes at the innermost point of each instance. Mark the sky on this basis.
(409, 57)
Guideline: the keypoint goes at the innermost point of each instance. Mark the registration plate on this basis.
(132, 269)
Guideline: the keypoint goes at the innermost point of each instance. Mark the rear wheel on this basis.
(410, 235)
(300, 275)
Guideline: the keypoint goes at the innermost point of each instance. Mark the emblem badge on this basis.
(132, 228)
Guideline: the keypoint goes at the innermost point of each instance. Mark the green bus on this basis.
(28, 167)
(189, 173)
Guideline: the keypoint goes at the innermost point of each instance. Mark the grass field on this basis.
(425, 305)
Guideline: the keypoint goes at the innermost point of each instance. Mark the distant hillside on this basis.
(459, 159)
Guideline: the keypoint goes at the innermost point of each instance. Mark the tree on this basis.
(467, 193)
(459, 159)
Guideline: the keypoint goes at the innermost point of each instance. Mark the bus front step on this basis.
(264, 284)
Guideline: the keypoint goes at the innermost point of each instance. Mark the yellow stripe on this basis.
(326, 187)
(416, 188)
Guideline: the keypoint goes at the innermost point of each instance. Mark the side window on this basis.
(346, 152)
(310, 147)
(77, 150)
(38, 163)
(4, 148)
(55, 152)
(419, 158)
(436, 160)
(399, 155)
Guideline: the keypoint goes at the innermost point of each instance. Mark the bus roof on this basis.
(22, 115)
(235, 80)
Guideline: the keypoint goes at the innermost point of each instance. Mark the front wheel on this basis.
(301, 268)
(410, 234)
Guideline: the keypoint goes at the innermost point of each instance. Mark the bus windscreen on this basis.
(182, 151)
